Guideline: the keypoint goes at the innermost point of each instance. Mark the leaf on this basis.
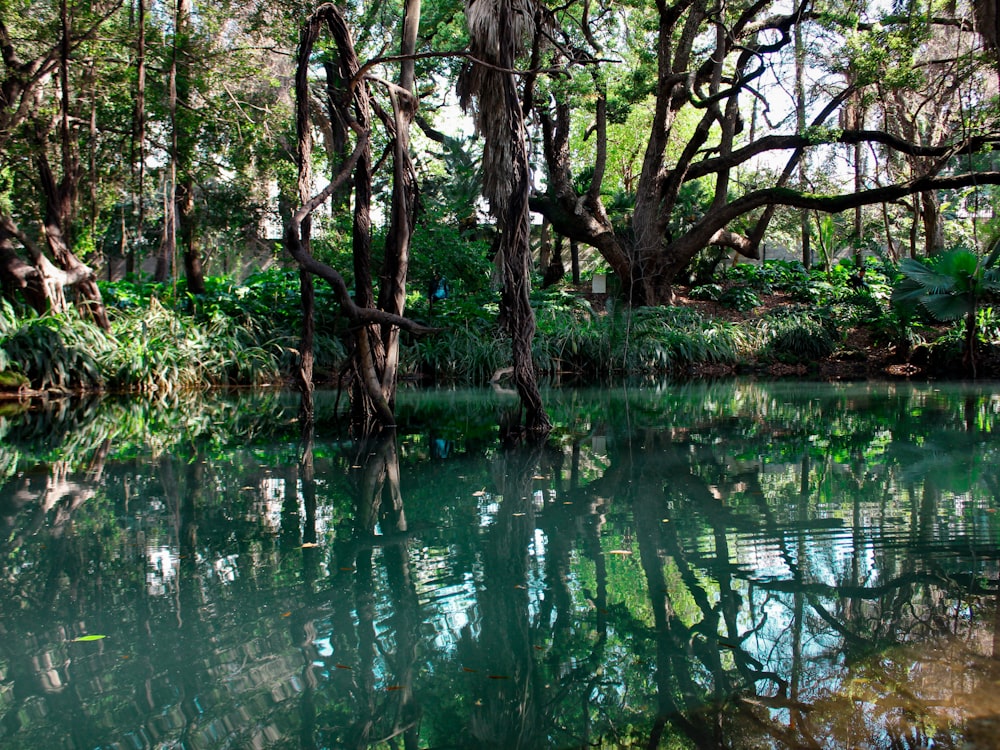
(87, 638)
(928, 278)
(948, 306)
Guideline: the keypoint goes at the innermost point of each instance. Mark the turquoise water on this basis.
(727, 565)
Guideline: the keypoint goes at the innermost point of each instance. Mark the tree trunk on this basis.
(933, 227)
(374, 359)
(139, 140)
(970, 343)
(183, 135)
(496, 28)
(20, 276)
(574, 255)
(61, 198)
(800, 123)
(392, 291)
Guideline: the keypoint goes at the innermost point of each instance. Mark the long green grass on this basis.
(160, 350)
(52, 351)
(149, 349)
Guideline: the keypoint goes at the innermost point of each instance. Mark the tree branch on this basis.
(847, 137)
(329, 274)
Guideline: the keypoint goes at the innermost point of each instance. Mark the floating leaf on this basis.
(85, 638)
(479, 493)
(309, 545)
(620, 552)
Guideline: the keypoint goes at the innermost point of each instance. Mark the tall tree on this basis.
(374, 332)
(24, 112)
(498, 31)
(709, 58)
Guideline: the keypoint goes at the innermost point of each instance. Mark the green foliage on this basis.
(745, 281)
(160, 350)
(693, 201)
(792, 334)
(468, 346)
(53, 351)
(642, 341)
(264, 312)
(710, 292)
(740, 297)
(949, 286)
(886, 53)
(441, 248)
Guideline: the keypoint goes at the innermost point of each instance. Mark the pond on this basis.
(720, 565)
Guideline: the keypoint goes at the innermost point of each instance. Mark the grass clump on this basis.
(52, 351)
(795, 335)
(161, 350)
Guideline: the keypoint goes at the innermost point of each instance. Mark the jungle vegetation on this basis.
(175, 177)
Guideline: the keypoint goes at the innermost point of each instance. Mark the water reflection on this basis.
(739, 565)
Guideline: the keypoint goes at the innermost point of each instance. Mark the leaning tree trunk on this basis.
(970, 344)
(61, 197)
(497, 30)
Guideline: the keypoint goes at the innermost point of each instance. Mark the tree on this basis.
(375, 327)
(24, 114)
(713, 80)
(951, 287)
(498, 30)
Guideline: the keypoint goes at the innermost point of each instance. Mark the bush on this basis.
(53, 351)
(160, 350)
(740, 297)
(795, 335)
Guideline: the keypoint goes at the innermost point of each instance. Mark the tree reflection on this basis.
(377, 670)
(730, 567)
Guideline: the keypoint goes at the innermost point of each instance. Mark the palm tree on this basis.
(949, 287)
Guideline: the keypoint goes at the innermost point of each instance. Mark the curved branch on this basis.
(702, 233)
(847, 137)
(293, 237)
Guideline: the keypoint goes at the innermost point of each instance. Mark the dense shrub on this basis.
(52, 351)
(791, 334)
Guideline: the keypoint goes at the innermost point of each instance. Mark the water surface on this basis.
(734, 565)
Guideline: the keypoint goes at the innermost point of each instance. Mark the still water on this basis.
(727, 565)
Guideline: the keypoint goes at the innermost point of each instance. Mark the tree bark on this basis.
(374, 359)
(184, 136)
(497, 29)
